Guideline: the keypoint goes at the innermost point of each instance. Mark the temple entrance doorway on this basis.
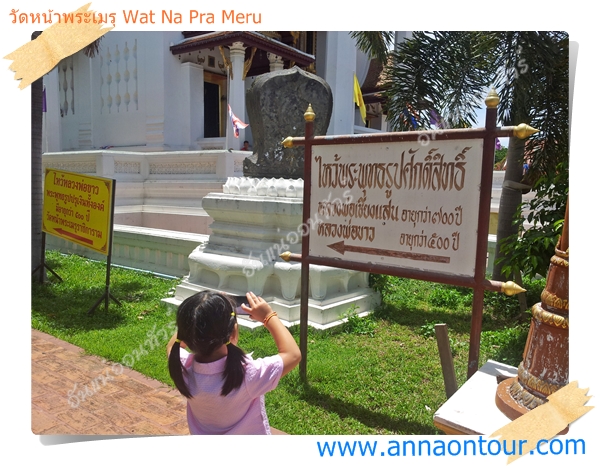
(215, 100)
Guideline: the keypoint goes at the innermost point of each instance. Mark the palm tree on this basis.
(448, 74)
(374, 43)
(535, 93)
(91, 50)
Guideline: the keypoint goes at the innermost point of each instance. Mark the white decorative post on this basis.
(340, 67)
(237, 99)
(192, 90)
(275, 62)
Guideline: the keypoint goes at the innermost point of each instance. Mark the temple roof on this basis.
(195, 41)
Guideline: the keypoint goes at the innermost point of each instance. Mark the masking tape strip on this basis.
(38, 57)
(544, 422)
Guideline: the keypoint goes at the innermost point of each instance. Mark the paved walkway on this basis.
(127, 404)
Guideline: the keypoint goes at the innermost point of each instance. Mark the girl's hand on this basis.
(257, 307)
(287, 348)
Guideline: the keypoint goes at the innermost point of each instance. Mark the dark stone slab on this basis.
(276, 103)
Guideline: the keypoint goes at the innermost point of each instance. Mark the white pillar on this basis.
(192, 92)
(275, 62)
(225, 166)
(52, 141)
(401, 36)
(340, 66)
(237, 97)
(83, 100)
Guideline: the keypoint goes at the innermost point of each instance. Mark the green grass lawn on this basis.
(376, 375)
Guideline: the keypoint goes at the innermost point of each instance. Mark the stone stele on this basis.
(276, 103)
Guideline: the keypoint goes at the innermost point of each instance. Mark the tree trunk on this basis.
(36, 170)
(510, 200)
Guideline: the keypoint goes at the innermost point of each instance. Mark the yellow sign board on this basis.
(78, 208)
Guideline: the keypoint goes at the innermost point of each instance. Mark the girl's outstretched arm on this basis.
(260, 310)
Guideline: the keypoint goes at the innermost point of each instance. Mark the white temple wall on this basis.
(191, 115)
(68, 104)
(136, 95)
(132, 94)
(175, 95)
(336, 64)
(52, 137)
(362, 66)
(116, 89)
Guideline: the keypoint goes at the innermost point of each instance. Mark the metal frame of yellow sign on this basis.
(78, 208)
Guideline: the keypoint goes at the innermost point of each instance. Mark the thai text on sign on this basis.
(402, 204)
(77, 208)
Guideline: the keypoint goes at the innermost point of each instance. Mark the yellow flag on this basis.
(358, 100)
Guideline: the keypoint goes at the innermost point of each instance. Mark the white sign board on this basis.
(401, 204)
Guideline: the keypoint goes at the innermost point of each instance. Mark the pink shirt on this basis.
(242, 411)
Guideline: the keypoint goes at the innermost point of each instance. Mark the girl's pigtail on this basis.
(235, 369)
(176, 370)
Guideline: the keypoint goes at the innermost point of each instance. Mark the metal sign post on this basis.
(107, 294)
(43, 265)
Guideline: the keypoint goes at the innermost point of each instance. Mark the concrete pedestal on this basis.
(472, 410)
(255, 220)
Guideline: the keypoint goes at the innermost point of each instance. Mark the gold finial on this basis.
(286, 256)
(524, 131)
(309, 115)
(287, 142)
(492, 99)
(511, 288)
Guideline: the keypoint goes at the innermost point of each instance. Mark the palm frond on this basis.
(448, 72)
(91, 50)
(376, 44)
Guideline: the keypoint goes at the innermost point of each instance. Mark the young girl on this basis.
(225, 388)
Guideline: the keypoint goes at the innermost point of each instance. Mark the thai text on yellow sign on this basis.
(77, 208)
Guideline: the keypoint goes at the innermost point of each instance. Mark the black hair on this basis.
(205, 321)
